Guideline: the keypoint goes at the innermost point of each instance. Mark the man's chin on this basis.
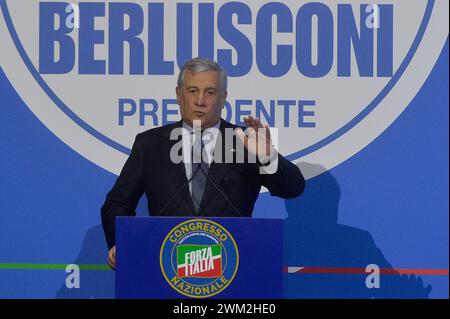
(202, 122)
(199, 121)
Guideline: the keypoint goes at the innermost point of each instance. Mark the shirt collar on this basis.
(187, 129)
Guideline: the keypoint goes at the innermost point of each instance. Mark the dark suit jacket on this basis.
(149, 169)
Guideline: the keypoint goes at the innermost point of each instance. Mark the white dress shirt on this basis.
(209, 138)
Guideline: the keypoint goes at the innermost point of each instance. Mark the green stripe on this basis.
(216, 250)
(13, 266)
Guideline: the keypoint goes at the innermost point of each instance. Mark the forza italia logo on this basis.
(199, 258)
(199, 261)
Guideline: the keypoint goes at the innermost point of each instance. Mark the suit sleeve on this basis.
(126, 192)
(287, 180)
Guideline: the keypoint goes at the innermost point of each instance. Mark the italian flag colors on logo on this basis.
(199, 261)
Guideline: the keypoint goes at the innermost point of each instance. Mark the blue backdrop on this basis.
(387, 205)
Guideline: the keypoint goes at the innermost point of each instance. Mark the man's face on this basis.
(200, 98)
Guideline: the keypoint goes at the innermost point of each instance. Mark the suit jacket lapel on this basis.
(176, 171)
(217, 171)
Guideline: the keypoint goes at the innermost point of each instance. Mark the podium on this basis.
(224, 258)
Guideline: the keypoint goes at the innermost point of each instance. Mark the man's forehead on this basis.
(209, 77)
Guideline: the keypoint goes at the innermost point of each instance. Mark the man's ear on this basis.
(178, 93)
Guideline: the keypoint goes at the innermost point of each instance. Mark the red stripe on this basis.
(216, 272)
(385, 271)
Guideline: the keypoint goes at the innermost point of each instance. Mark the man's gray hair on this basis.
(198, 65)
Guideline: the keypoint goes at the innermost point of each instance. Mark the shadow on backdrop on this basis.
(93, 283)
(315, 240)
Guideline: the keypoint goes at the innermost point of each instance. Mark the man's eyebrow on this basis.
(196, 87)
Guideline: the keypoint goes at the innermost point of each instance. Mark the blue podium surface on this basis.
(172, 257)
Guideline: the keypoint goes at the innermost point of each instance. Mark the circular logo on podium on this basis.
(199, 258)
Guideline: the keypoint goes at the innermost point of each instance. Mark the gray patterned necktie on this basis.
(198, 163)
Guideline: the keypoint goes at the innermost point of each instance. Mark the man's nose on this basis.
(200, 100)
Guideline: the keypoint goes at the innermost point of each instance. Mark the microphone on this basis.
(218, 189)
(199, 168)
(221, 193)
(178, 192)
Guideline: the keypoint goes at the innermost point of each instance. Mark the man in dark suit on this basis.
(162, 164)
